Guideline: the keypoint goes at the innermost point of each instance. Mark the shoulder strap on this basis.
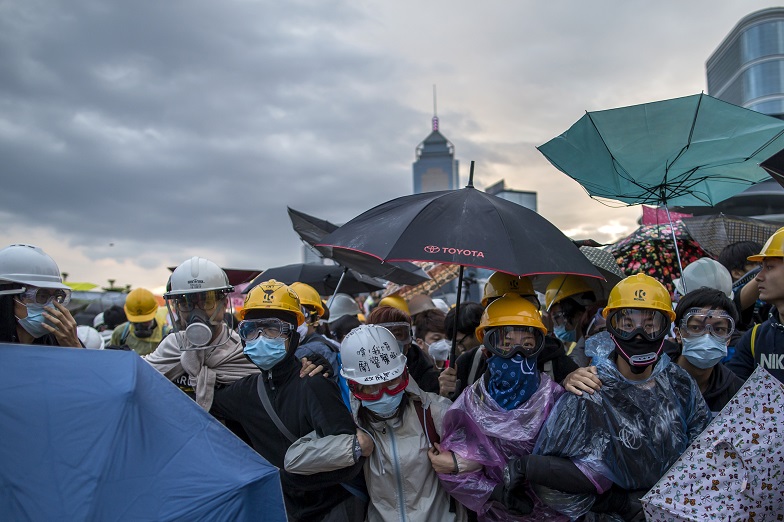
(753, 338)
(474, 366)
(265, 400)
(426, 421)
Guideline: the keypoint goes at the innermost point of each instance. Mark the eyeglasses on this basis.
(42, 296)
(373, 392)
(507, 341)
(699, 321)
(627, 323)
(252, 329)
(203, 300)
(401, 330)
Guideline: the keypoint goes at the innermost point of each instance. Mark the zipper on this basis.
(269, 380)
(396, 462)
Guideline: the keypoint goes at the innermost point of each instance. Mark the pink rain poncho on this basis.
(479, 430)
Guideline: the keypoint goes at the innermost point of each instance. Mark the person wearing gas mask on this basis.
(144, 330)
(277, 407)
(602, 452)
(202, 354)
(33, 299)
(498, 417)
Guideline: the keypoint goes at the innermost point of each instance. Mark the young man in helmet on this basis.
(498, 417)
(310, 341)
(602, 452)
(764, 344)
(268, 328)
(567, 299)
(33, 299)
(203, 354)
(143, 331)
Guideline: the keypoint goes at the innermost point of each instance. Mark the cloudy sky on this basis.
(135, 134)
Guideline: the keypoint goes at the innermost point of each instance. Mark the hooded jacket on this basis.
(768, 349)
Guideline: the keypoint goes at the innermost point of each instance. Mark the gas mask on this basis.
(145, 329)
(638, 334)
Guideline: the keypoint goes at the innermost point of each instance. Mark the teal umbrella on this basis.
(690, 151)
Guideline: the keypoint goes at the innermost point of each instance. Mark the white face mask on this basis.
(704, 351)
(302, 330)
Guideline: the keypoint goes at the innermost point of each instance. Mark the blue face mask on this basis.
(266, 353)
(386, 406)
(703, 351)
(512, 381)
(567, 336)
(34, 322)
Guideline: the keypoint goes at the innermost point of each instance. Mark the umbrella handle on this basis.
(337, 288)
(744, 485)
(452, 352)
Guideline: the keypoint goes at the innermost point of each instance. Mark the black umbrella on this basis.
(324, 278)
(466, 227)
(312, 230)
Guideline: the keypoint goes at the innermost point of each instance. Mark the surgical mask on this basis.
(704, 351)
(34, 322)
(386, 406)
(567, 336)
(302, 330)
(198, 332)
(266, 353)
(512, 381)
(638, 352)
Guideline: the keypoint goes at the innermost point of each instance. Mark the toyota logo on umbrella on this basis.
(430, 249)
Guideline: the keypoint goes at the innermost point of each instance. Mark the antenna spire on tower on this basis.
(435, 111)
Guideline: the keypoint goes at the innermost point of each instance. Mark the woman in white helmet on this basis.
(33, 299)
(203, 352)
(404, 422)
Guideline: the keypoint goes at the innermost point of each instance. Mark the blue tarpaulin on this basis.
(100, 435)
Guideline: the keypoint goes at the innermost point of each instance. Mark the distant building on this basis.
(521, 197)
(747, 68)
(435, 167)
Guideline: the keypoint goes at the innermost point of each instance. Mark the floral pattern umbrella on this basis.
(649, 250)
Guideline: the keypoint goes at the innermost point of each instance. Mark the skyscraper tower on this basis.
(435, 167)
(747, 68)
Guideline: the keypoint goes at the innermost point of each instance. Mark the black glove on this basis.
(516, 503)
(621, 502)
(320, 360)
(515, 474)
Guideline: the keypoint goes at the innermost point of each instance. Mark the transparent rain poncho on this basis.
(478, 429)
(628, 433)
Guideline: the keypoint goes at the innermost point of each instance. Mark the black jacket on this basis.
(768, 350)
(304, 405)
(421, 369)
(722, 387)
(553, 352)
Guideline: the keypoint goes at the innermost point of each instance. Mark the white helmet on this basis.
(197, 275)
(342, 305)
(29, 265)
(90, 337)
(369, 355)
(98, 320)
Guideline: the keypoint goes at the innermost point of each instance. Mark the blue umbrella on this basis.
(690, 151)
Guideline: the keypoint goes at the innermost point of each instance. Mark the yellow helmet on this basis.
(308, 296)
(395, 301)
(272, 295)
(774, 247)
(510, 310)
(564, 286)
(639, 291)
(501, 283)
(140, 306)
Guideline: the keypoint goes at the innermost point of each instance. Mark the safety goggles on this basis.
(627, 323)
(272, 328)
(699, 321)
(203, 300)
(401, 330)
(373, 392)
(41, 296)
(507, 341)
(558, 318)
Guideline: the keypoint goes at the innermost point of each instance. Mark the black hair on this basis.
(734, 256)
(571, 309)
(705, 298)
(470, 317)
(114, 316)
(341, 326)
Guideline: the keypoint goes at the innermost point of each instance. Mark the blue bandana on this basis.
(512, 381)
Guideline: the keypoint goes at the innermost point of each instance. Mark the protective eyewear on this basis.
(401, 330)
(627, 323)
(373, 392)
(251, 330)
(40, 296)
(558, 318)
(507, 341)
(699, 321)
(203, 300)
